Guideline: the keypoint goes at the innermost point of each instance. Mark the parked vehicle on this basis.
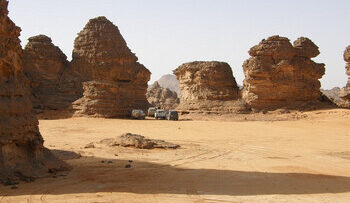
(160, 114)
(138, 114)
(151, 111)
(172, 115)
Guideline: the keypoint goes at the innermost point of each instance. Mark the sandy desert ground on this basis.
(305, 159)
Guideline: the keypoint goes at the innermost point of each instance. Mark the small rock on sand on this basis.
(138, 141)
(90, 145)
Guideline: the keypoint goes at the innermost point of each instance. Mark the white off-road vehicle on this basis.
(160, 114)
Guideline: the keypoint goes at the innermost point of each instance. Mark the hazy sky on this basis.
(164, 34)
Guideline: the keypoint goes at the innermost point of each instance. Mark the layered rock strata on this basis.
(279, 74)
(22, 154)
(54, 86)
(162, 97)
(345, 92)
(206, 86)
(106, 65)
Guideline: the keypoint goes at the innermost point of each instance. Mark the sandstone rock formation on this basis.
(206, 86)
(114, 82)
(22, 154)
(162, 97)
(105, 99)
(345, 92)
(53, 84)
(279, 74)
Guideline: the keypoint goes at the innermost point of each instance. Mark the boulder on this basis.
(22, 154)
(279, 74)
(138, 141)
(162, 97)
(102, 59)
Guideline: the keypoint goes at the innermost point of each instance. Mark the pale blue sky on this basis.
(164, 34)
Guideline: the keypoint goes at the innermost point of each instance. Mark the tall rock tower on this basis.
(22, 154)
(114, 82)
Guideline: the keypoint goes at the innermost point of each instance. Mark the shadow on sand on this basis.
(92, 175)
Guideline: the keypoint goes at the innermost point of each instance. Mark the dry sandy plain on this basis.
(304, 158)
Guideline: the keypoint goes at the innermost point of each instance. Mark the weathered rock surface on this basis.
(105, 99)
(206, 87)
(106, 65)
(22, 154)
(345, 92)
(162, 97)
(138, 141)
(279, 74)
(54, 86)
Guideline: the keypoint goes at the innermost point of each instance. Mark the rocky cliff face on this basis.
(162, 97)
(101, 56)
(22, 154)
(279, 74)
(52, 82)
(206, 85)
(345, 92)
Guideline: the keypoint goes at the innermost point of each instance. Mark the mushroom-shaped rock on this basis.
(280, 75)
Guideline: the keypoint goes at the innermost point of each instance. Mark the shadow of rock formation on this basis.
(90, 175)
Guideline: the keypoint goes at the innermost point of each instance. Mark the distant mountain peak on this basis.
(169, 81)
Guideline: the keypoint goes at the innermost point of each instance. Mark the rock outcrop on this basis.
(52, 82)
(138, 141)
(345, 92)
(162, 97)
(114, 82)
(334, 95)
(279, 74)
(206, 86)
(22, 154)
